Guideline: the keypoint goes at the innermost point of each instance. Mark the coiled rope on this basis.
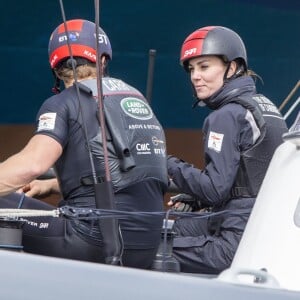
(17, 212)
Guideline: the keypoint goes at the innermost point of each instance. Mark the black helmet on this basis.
(82, 39)
(213, 40)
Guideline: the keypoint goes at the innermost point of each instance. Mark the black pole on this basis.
(149, 88)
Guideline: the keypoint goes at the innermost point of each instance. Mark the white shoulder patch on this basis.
(215, 141)
(47, 121)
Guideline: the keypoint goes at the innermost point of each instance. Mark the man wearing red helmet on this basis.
(68, 137)
(240, 136)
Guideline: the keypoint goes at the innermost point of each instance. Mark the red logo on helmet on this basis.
(53, 60)
(89, 55)
(189, 52)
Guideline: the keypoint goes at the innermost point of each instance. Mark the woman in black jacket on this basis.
(240, 136)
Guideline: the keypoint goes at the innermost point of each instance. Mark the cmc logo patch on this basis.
(136, 108)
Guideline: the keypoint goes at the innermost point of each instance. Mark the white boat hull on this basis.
(271, 240)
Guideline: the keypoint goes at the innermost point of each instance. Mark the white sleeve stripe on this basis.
(255, 130)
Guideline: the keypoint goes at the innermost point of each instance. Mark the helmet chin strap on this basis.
(198, 102)
(240, 70)
(56, 87)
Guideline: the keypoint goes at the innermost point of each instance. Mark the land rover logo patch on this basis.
(136, 108)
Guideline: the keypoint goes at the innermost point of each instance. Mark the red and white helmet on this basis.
(82, 39)
(213, 40)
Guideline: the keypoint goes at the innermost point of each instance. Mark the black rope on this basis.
(78, 92)
(70, 212)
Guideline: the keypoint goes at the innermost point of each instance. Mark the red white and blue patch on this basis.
(215, 141)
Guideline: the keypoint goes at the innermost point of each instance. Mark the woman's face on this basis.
(207, 74)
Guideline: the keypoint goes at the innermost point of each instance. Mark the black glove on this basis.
(187, 203)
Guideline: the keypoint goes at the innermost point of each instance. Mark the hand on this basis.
(184, 203)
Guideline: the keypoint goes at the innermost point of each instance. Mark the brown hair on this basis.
(84, 71)
(241, 65)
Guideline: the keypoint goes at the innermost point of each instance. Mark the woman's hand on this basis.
(184, 203)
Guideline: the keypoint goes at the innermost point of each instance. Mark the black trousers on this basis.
(207, 245)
